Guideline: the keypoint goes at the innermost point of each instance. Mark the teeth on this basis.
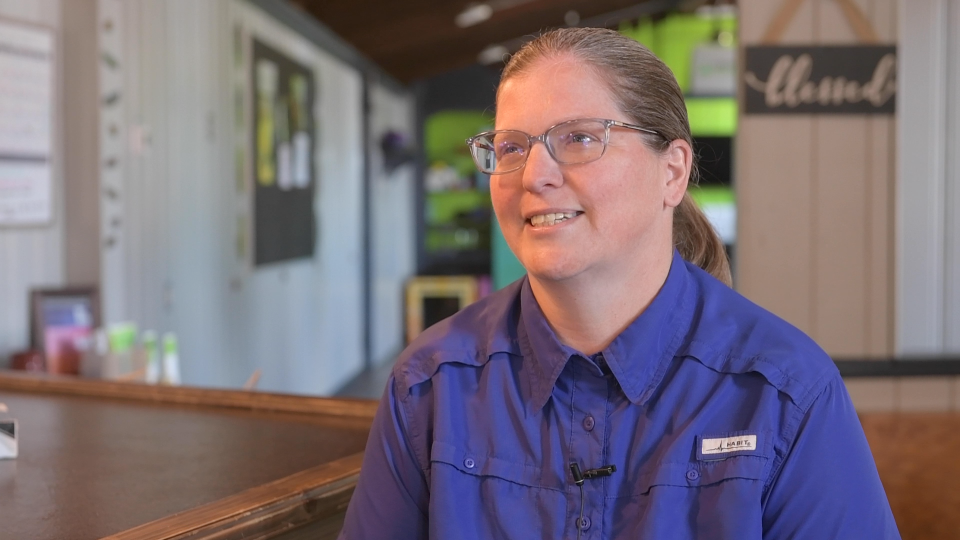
(547, 220)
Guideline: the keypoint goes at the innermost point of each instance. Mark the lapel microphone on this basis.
(589, 474)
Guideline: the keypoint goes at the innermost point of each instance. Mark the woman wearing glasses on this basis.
(619, 390)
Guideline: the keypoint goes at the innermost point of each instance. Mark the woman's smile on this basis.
(552, 219)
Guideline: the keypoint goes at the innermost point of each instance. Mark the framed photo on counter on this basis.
(60, 320)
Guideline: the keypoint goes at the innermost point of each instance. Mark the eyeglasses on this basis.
(574, 141)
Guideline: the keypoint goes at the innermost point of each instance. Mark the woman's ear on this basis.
(676, 162)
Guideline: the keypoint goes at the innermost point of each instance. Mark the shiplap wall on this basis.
(393, 223)
(32, 256)
(299, 322)
(815, 240)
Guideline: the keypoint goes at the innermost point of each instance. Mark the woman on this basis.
(619, 390)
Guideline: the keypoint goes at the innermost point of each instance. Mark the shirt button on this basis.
(469, 463)
(693, 475)
(584, 523)
(588, 423)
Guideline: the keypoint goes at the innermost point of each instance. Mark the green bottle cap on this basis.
(170, 343)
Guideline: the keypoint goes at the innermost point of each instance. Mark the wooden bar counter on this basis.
(917, 457)
(128, 461)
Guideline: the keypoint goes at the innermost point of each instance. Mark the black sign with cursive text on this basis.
(818, 80)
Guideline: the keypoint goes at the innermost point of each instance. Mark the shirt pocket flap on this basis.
(481, 465)
(704, 473)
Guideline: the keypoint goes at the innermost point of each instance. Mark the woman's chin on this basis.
(554, 271)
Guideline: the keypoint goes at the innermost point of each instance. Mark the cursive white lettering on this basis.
(789, 84)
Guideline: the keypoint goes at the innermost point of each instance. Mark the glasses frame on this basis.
(531, 140)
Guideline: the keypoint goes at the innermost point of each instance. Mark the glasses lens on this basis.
(578, 141)
(500, 151)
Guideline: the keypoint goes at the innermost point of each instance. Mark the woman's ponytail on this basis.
(697, 242)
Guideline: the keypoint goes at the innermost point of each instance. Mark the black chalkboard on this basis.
(284, 142)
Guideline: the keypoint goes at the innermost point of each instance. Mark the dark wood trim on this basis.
(343, 408)
(902, 367)
(314, 495)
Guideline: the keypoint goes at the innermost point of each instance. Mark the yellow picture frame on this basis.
(420, 289)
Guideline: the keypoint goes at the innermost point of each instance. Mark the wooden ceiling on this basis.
(413, 39)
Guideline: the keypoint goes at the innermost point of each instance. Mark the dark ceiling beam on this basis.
(431, 56)
(412, 39)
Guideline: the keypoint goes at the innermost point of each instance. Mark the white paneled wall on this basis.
(299, 322)
(393, 224)
(928, 190)
(32, 256)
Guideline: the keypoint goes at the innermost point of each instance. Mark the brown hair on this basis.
(646, 91)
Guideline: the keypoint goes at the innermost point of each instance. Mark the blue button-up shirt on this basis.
(722, 421)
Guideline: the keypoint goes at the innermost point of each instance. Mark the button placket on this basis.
(589, 393)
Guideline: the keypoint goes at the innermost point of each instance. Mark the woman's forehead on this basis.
(552, 90)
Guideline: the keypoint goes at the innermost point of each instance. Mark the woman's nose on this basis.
(541, 170)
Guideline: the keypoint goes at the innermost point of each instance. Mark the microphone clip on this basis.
(606, 470)
(589, 474)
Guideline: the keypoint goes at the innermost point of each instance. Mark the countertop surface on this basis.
(89, 467)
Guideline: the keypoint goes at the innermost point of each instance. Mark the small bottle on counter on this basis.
(152, 352)
(171, 361)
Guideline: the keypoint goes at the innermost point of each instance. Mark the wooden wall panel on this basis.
(840, 185)
(881, 136)
(772, 191)
(840, 220)
(773, 174)
(815, 230)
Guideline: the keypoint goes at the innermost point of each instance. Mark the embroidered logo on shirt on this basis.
(728, 444)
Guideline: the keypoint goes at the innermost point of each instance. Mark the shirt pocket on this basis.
(489, 496)
(704, 473)
(480, 465)
(715, 500)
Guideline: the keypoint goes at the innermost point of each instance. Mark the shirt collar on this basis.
(638, 357)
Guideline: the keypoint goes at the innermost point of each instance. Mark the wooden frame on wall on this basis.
(448, 294)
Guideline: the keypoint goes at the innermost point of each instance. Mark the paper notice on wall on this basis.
(25, 193)
(26, 123)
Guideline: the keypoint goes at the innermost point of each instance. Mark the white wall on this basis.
(928, 191)
(177, 265)
(32, 256)
(393, 223)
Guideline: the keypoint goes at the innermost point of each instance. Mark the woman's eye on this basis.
(507, 149)
(582, 138)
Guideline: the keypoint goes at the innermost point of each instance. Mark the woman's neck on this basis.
(589, 311)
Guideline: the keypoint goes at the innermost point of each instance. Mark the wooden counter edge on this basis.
(240, 399)
(314, 494)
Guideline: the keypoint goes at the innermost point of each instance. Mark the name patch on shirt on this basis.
(725, 445)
